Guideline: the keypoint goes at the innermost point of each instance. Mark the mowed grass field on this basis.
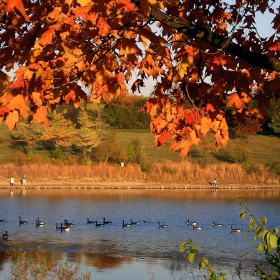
(264, 149)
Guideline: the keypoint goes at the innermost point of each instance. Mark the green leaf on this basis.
(213, 276)
(242, 215)
(193, 251)
(251, 222)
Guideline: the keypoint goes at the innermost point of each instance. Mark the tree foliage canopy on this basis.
(203, 56)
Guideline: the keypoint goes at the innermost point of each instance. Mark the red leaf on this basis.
(127, 5)
(70, 96)
(3, 111)
(209, 107)
(163, 138)
(104, 28)
(192, 117)
(12, 4)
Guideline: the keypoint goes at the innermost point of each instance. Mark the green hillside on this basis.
(265, 149)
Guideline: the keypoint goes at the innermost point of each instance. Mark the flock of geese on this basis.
(66, 226)
(193, 224)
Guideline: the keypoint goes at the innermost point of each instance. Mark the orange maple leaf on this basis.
(12, 119)
(104, 28)
(151, 107)
(36, 97)
(18, 103)
(40, 116)
(70, 96)
(274, 46)
(17, 4)
(234, 99)
(120, 77)
(127, 5)
(47, 37)
(206, 124)
(209, 107)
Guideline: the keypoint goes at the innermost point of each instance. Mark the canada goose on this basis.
(106, 222)
(190, 223)
(125, 225)
(39, 223)
(162, 226)
(196, 228)
(22, 222)
(98, 224)
(57, 227)
(216, 225)
(134, 223)
(67, 224)
(234, 229)
(5, 235)
(62, 228)
(146, 222)
(2, 220)
(90, 222)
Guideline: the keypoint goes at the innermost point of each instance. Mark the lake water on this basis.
(142, 251)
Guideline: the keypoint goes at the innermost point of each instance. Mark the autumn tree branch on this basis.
(217, 40)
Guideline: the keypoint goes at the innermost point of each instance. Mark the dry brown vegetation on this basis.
(168, 172)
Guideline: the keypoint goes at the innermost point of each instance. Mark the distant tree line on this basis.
(85, 132)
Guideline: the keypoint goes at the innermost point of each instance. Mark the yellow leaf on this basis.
(103, 76)
(185, 64)
(83, 3)
(143, 40)
(156, 4)
(28, 74)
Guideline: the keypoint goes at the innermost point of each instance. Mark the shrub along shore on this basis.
(168, 175)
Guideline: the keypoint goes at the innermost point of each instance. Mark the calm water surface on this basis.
(142, 251)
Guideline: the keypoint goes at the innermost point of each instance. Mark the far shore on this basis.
(92, 184)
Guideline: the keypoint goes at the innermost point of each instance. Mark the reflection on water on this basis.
(114, 252)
